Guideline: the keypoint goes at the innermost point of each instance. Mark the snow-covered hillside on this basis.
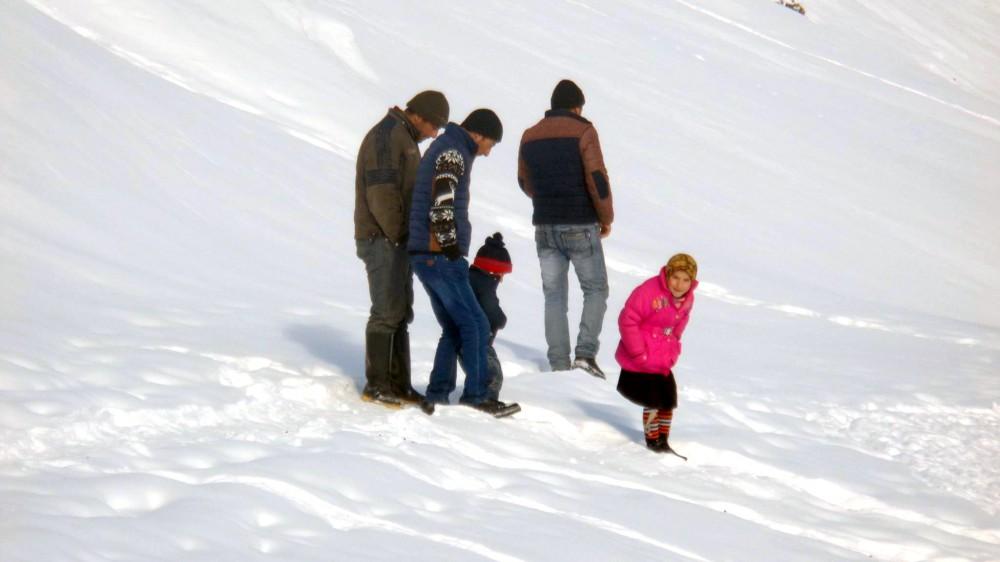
(181, 309)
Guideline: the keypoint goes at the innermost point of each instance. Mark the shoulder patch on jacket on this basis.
(383, 148)
(602, 184)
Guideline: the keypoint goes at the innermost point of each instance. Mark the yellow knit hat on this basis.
(683, 262)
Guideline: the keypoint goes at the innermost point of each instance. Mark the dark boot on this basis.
(427, 407)
(400, 381)
(496, 408)
(589, 365)
(378, 350)
(664, 447)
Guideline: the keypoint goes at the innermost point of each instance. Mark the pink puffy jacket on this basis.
(651, 327)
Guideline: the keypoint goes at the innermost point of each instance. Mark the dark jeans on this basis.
(464, 328)
(390, 286)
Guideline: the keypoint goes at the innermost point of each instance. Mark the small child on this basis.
(485, 274)
(651, 325)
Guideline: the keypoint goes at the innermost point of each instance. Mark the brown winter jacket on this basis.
(560, 166)
(383, 186)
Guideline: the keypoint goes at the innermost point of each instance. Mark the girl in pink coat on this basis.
(651, 325)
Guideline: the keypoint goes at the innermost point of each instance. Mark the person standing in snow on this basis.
(386, 171)
(440, 233)
(651, 325)
(485, 275)
(561, 168)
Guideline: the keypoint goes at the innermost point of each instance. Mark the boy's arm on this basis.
(490, 304)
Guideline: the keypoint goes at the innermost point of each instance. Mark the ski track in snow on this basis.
(259, 403)
(329, 33)
(335, 516)
(340, 40)
(981, 116)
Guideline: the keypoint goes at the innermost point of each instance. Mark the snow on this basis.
(181, 309)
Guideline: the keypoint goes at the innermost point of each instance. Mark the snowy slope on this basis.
(181, 308)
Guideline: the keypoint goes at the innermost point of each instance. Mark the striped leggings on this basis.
(656, 423)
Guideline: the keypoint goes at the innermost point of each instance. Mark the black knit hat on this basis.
(493, 256)
(484, 122)
(430, 105)
(567, 95)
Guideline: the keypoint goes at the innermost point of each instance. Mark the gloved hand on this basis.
(451, 252)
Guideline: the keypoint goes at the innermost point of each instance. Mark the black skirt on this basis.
(649, 390)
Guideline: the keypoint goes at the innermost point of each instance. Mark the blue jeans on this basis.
(559, 245)
(464, 328)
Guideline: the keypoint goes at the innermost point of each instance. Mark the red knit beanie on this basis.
(493, 256)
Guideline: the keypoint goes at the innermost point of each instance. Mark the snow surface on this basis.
(181, 309)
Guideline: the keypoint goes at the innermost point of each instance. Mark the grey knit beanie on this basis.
(431, 105)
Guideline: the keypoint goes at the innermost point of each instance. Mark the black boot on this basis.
(378, 349)
(664, 447)
(496, 408)
(399, 368)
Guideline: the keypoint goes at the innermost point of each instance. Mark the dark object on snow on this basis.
(662, 446)
(793, 5)
(589, 365)
(380, 397)
(410, 397)
(427, 407)
(496, 408)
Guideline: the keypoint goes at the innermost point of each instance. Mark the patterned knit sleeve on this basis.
(448, 168)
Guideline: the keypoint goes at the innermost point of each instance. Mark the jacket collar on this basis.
(462, 137)
(397, 113)
(565, 113)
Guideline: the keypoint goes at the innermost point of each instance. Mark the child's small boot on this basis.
(665, 419)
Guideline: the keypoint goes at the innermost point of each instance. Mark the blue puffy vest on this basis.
(454, 137)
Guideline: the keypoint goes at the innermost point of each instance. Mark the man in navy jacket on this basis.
(561, 167)
(440, 232)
